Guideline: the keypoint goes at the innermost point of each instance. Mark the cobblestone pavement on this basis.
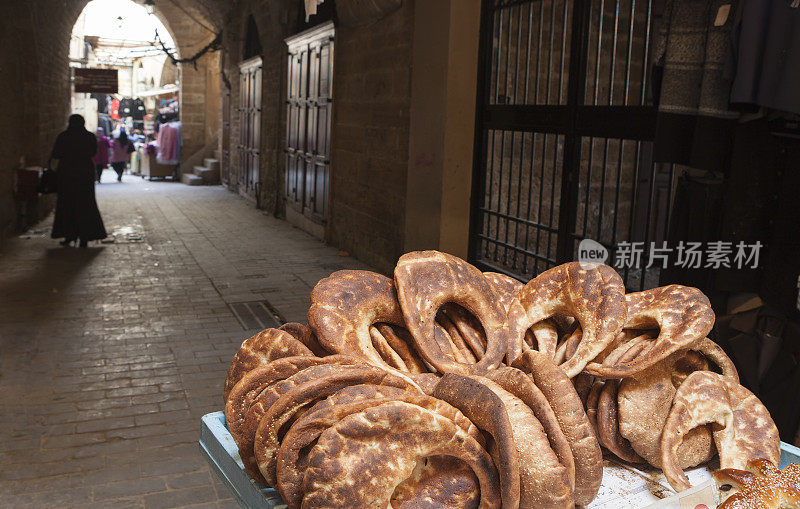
(110, 355)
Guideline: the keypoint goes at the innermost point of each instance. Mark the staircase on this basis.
(208, 174)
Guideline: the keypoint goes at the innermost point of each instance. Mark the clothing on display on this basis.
(114, 113)
(765, 60)
(169, 143)
(139, 111)
(102, 102)
(126, 107)
(104, 121)
(694, 122)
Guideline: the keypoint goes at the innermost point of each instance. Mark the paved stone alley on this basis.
(110, 355)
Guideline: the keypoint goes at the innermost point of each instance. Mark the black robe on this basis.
(77, 215)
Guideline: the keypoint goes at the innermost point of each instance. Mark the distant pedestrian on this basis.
(121, 149)
(100, 159)
(77, 216)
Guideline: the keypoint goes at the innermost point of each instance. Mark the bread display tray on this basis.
(624, 486)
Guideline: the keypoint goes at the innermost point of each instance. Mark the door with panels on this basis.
(308, 125)
(564, 132)
(249, 146)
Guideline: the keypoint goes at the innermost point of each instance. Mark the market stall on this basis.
(450, 387)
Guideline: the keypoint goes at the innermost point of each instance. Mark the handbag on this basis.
(48, 182)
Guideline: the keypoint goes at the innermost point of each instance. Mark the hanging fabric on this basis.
(765, 60)
(115, 109)
(694, 123)
(169, 143)
(311, 7)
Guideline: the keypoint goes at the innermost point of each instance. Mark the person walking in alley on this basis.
(100, 159)
(77, 216)
(121, 149)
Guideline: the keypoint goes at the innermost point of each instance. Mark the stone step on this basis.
(217, 155)
(211, 164)
(209, 175)
(191, 179)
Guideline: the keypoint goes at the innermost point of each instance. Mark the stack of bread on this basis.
(449, 387)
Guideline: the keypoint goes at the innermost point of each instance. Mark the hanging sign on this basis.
(96, 81)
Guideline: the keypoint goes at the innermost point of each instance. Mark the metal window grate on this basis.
(258, 315)
(564, 130)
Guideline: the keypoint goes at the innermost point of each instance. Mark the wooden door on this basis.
(249, 146)
(308, 126)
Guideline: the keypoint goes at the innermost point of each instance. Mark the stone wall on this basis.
(198, 93)
(272, 18)
(369, 160)
(35, 103)
(370, 124)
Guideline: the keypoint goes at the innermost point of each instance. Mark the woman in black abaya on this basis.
(77, 216)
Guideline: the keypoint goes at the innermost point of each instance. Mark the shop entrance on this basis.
(250, 126)
(564, 128)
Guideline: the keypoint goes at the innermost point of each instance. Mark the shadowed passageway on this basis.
(111, 354)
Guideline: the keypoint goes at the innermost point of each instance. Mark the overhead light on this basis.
(150, 6)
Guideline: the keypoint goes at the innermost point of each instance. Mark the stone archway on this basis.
(34, 51)
(192, 24)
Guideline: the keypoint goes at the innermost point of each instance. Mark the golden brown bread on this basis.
(608, 425)
(470, 329)
(293, 454)
(438, 482)
(574, 422)
(607, 412)
(713, 353)
(567, 348)
(356, 393)
(426, 381)
(683, 316)
(506, 289)
(592, 399)
(265, 399)
(541, 336)
(388, 441)
(305, 335)
(473, 398)
(343, 307)
(544, 481)
(263, 348)
(301, 397)
(396, 348)
(442, 315)
(461, 351)
(521, 386)
(425, 281)
(595, 296)
(250, 386)
(743, 428)
(644, 401)
(761, 486)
